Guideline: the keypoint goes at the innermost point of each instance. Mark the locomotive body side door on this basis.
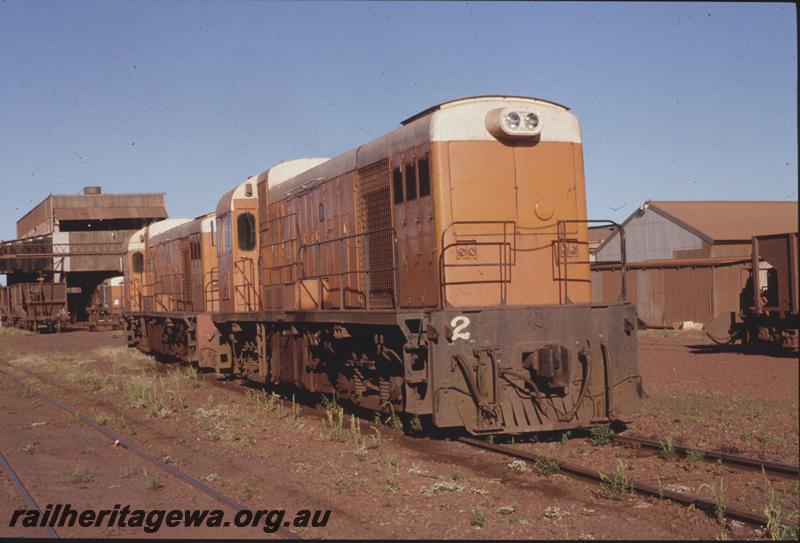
(414, 224)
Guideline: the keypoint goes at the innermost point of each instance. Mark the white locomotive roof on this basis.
(481, 98)
(275, 175)
(136, 241)
(115, 281)
(225, 204)
(185, 229)
(283, 171)
(457, 120)
(160, 227)
(239, 191)
(206, 222)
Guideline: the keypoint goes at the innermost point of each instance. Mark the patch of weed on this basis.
(693, 458)
(617, 486)
(601, 434)
(80, 475)
(667, 451)
(547, 466)
(153, 480)
(718, 492)
(478, 519)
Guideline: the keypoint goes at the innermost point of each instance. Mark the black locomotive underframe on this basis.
(496, 370)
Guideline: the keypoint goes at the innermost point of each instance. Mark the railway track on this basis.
(756, 464)
(731, 460)
(130, 446)
(570, 469)
(23, 492)
(639, 487)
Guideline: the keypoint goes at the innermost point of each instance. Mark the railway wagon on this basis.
(440, 271)
(4, 305)
(40, 306)
(105, 305)
(770, 300)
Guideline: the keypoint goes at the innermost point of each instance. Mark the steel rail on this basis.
(122, 442)
(23, 492)
(639, 487)
(777, 468)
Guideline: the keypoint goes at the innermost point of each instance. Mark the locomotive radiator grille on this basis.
(375, 220)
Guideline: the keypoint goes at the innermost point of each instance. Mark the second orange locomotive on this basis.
(440, 270)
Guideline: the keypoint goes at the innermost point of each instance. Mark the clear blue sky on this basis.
(677, 101)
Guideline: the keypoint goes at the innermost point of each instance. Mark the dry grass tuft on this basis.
(9, 331)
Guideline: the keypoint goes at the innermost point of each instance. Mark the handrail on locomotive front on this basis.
(502, 264)
(507, 247)
(341, 273)
(623, 260)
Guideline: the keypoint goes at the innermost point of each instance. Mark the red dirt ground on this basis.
(270, 457)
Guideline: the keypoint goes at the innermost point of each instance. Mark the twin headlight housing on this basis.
(514, 122)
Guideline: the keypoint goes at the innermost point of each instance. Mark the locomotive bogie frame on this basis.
(172, 335)
(487, 370)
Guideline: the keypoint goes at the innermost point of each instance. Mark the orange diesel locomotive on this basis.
(440, 270)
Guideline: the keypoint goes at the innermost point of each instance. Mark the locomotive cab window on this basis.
(411, 182)
(138, 262)
(397, 185)
(424, 177)
(246, 231)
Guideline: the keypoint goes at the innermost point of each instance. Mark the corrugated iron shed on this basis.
(669, 291)
(597, 235)
(685, 229)
(688, 260)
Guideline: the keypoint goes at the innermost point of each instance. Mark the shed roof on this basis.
(90, 207)
(729, 220)
(108, 206)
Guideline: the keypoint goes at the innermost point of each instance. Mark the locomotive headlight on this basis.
(513, 122)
